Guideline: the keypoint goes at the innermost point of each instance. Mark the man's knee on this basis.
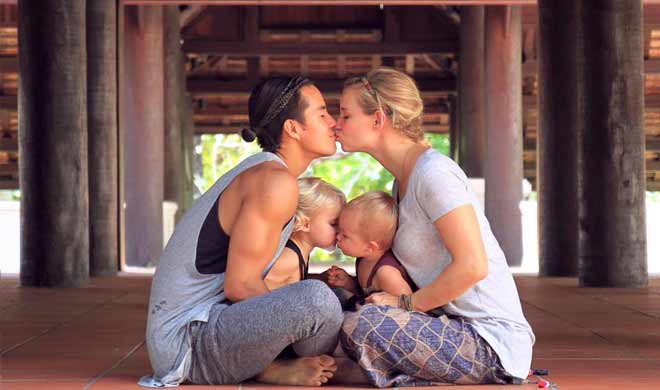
(321, 300)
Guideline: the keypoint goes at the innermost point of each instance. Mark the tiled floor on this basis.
(93, 338)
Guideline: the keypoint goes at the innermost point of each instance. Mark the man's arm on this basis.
(268, 205)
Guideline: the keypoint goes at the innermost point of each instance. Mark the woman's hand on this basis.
(382, 299)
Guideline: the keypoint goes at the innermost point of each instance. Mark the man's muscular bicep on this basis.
(256, 233)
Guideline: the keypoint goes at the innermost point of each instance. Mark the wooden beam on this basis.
(431, 62)
(264, 68)
(253, 68)
(651, 165)
(651, 66)
(376, 61)
(304, 65)
(250, 25)
(392, 26)
(410, 64)
(189, 14)
(453, 17)
(209, 46)
(8, 65)
(11, 184)
(211, 87)
(8, 144)
(10, 168)
(341, 66)
(9, 102)
(653, 143)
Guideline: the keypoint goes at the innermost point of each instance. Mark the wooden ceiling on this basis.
(229, 48)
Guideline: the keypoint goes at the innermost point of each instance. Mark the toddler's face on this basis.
(322, 227)
(349, 239)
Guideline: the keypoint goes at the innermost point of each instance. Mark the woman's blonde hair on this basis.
(396, 95)
(377, 217)
(314, 195)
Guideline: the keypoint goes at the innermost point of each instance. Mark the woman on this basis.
(212, 319)
(445, 243)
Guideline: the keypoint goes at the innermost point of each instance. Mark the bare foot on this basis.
(304, 371)
(349, 373)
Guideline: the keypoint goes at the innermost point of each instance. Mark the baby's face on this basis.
(322, 227)
(349, 238)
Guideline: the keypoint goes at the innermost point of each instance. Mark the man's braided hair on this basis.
(271, 103)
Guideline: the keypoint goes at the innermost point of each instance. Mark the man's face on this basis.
(318, 135)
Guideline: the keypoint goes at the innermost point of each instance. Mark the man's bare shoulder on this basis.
(272, 184)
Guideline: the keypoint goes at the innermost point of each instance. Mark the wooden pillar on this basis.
(174, 84)
(454, 128)
(188, 151)
(557, 140)
(53, 143)
(472, 111)
(611, 189)
(503, 167)
(102, 125)
(143, 118)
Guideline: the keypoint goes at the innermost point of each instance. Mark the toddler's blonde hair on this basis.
(377, 217)
(314, 195)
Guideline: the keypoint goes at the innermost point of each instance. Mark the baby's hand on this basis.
(338, 277)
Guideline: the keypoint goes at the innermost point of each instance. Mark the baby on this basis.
(319, 205)
(367, 225)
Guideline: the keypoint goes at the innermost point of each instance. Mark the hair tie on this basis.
(248, 134)
(283, 100)
(368, 86)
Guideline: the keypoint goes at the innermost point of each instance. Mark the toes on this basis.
(328, 374)
(327, 360)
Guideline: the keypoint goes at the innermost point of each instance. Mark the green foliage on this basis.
(353, 173)
(220, 153)
(10, 195)
(653, 196)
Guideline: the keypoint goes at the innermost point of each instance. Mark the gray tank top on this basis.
(180, 295)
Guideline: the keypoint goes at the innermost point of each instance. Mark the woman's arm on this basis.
(460, 232)
(267, 206)
(389, 280)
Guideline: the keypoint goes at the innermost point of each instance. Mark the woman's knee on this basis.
(357, 325)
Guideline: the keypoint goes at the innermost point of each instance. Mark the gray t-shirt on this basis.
(437, 186)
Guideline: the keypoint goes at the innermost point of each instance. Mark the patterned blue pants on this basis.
(399, 348)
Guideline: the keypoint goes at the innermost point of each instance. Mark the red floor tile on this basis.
(93, 337)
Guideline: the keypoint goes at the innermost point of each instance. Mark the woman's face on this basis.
(355, 129)
(318, 135)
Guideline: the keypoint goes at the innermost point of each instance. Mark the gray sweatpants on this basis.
(240, 341)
